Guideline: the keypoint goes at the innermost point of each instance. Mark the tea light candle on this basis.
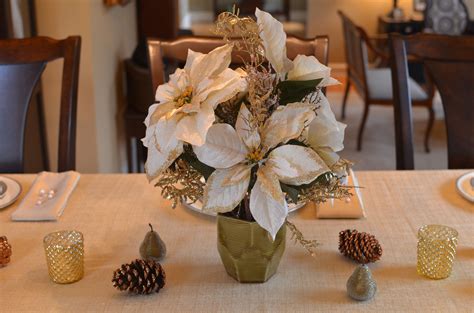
(65, 256)
(436, 250)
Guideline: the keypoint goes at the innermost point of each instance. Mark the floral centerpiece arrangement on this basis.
(247, 141)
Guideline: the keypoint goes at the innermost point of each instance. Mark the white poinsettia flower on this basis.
(274, 42)
(185, 108)
(326, 134)
(309, 68)
(234, 152)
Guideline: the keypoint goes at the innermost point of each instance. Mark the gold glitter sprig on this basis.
(261, 85)
(342, 165)
(243, 32)
(297, 236)
(330, 188)
(182, 183)
(230, 26)
(313, 97)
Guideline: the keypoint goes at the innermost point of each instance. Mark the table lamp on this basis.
(396, 12)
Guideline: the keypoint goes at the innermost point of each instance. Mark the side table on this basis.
(405, 26)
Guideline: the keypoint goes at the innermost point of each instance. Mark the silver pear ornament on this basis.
(152, 247)
(361, 286)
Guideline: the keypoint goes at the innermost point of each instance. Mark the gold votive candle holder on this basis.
(65, 256)
(436, 250)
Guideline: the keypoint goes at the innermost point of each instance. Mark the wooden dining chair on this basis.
(177, 50)
(374, 85)
(449, 61)
(22, 62)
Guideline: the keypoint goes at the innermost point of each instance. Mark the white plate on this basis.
(13, 191)
(463, 185)
(197, 207)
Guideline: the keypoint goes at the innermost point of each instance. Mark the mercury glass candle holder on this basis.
(65, 256)
(436, 250)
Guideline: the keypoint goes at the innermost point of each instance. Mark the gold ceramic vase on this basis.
(247, 250)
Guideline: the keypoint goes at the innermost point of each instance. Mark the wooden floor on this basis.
(378, 146)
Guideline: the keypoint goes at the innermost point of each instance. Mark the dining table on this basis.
(113, 212)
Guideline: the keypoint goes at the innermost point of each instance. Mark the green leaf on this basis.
(322, 180)
(296, 90)
(290, 191)
(296, 142)
(202, 168)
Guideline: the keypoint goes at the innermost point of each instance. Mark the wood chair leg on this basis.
(362, 126)
(129, 154)
(140, 155)
(429, 128)
(346, 94)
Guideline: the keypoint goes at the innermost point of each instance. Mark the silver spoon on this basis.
(3, 189)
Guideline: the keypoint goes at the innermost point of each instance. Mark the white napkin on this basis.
(343, 208)
(63, 185)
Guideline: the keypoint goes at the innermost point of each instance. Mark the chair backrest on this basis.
(447, 17)
(449, 60)
(22, 62)
(356, 52)
(178, 50)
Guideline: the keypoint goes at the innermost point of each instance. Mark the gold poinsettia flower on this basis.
(234, 152)
(185, 108)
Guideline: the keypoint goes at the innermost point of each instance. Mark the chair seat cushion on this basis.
(379, 82)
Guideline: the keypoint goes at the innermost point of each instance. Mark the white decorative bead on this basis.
(44, 195)
(51, 194)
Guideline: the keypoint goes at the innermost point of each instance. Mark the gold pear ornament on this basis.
(152, 247)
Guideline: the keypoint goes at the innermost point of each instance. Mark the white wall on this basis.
(113, 40)
(470, 7)
(108, 36)
(323, 19)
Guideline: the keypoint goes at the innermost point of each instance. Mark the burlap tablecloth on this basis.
(113, 211)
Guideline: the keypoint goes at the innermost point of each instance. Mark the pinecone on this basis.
(361, 247)
(5, 251)
(140, 277)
